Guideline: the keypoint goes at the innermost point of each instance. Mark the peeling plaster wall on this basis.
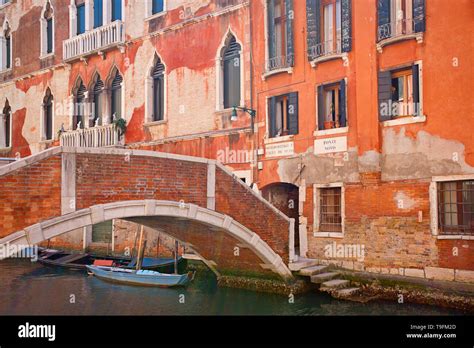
(423, 156)
(189, 60)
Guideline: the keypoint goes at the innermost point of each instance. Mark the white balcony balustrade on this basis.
(93, 41)
(98, 136)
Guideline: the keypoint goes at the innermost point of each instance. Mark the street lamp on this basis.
(251, 112)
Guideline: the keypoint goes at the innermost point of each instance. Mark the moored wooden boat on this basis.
(140, 277)
(61, 258)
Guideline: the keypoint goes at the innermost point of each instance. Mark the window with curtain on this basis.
(158, 91)
(232, 68)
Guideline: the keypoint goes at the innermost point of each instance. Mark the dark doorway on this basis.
(285, 197)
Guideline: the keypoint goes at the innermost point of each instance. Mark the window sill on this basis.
(455, 236)
(269, 73)
(328, 57)
(5, 149)
(328, 234)
(156, 15)
(278, 139)
(340, 130)
(45, 56)
(391, 40)
(155, 123)
(404, 120)
(3, 71)
(47, 141)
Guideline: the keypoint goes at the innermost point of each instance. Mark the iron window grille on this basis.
(330, 210)
(456, 207)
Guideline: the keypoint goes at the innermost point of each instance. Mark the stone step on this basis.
(322, 277)
(302, 263)
(335, 284)
(347, 292)
(309, 271)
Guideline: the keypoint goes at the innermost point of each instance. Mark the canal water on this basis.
(28, 288)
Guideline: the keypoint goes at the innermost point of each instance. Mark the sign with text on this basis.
(280, 149)
(330, 145)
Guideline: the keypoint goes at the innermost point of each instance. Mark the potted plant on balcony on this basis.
(120, 124)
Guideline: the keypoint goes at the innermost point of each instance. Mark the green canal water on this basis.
(28, 288)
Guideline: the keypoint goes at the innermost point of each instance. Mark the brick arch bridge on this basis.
(197, 201)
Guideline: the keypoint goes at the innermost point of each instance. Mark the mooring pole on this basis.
(175, 257)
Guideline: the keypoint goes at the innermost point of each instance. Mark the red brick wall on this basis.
(30, 195)
(236, 201)
(393, 237)
(106, 178)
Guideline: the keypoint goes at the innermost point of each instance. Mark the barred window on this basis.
(456, 207)
(330, 210)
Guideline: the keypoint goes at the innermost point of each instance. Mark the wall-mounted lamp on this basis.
(251, 112)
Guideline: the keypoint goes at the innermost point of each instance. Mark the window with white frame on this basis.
(154, 7)
(329, 209)
(47, 29)
(279, 34)
(456, 207)
(6, 126)
(400, 17)
(6, 47)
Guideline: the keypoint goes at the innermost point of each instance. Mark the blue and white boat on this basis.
(140, 277)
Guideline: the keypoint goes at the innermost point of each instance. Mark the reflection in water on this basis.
(32, 289)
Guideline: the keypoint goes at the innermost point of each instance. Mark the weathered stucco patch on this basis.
(320, 169)
(369, 162)
(404, 157)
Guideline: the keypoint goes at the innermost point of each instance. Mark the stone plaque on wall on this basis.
(330, 145)
(279, 149)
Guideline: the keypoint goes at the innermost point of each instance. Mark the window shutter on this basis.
(289, 32)
(313, 22)
(419, 15)
(292, 113)
(385, 95)
(416, 88)
(346, 26)
(81, 19)
(117, 81)
(383, 15)
(271, 116)
(157, 6)
(320, 108)
(98, 13)
(342, 103)
(116, 10)
(271, 29)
